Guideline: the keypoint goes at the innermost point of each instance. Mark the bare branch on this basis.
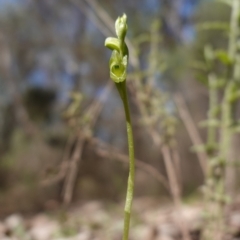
(110, 152)
(191, 129)
(82, 134)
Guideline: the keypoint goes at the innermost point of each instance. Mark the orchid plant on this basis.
(118, 72)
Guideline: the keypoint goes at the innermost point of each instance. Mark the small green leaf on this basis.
(223, 57)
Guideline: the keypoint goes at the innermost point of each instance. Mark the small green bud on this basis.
(121, 27)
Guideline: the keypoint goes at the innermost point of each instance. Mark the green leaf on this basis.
(223, 57)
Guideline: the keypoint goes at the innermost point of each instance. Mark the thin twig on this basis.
(82, 134)
(191, 129)
(6, 60)
(56, 178)
(174, 189)
(106, 20)
(110, 152)
(73, 170)
(173, 183)
(92, 17)
(177, 166)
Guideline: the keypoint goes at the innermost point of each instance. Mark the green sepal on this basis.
(112, 44)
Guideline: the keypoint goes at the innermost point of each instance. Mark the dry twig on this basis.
(110, 152)
(82, 134)
(191, 129)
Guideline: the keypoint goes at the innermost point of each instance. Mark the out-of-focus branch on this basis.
(110, 152)
(173, 183)
(56, 178)
(109, 22)
(103, 21)
(91, 16)
(73, 169)
(191, 129)
(177, 166)
(82, 134)
(5, 69)
(102, 14)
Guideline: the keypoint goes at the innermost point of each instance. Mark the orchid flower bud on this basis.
(121, 27)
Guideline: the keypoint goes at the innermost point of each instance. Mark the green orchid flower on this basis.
(119, 60)
(118, 67)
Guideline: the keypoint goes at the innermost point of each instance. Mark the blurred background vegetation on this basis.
(62, 129)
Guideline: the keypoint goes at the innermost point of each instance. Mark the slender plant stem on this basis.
(233, 28)
(211, 180)
(118, 71)
(130, 187)
(233, 54)
(212, 114)
(228, 107)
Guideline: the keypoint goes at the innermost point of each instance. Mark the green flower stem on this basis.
(118, 72)
(130, 187)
